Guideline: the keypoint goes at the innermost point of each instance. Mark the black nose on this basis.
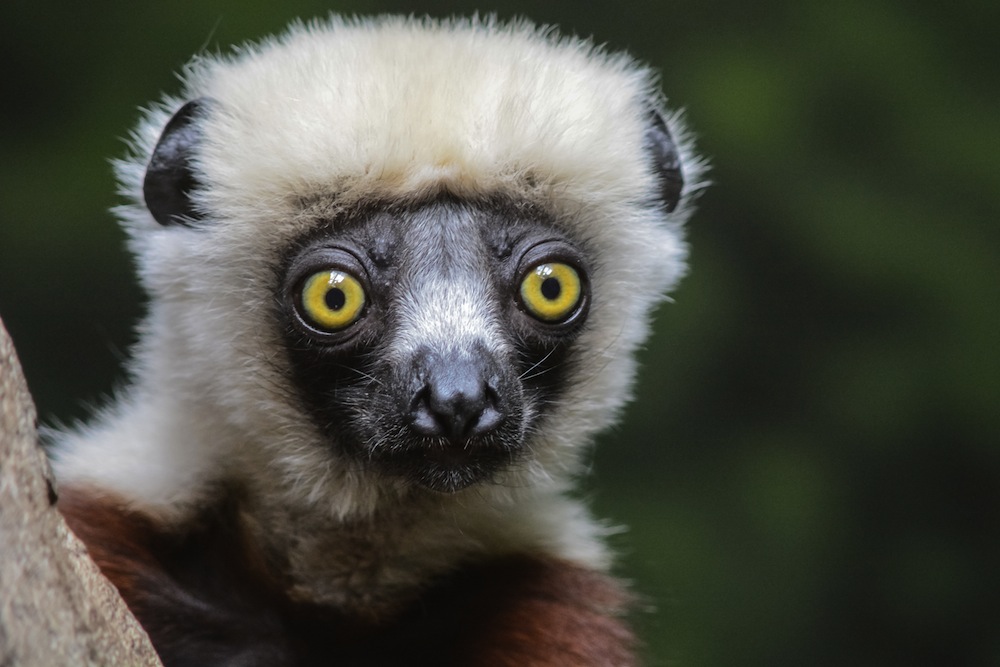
(457, 396)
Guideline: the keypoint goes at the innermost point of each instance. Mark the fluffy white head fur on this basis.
(338, 112)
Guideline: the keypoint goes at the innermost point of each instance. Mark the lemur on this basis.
(397, 271)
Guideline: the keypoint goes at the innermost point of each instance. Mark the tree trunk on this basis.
(55, 606)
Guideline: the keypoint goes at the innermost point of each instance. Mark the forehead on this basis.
(393, 109)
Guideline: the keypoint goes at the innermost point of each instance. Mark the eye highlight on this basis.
(551, 291)
(331, 299)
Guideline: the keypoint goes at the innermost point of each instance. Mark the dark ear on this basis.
(170, 177)
(666, 160)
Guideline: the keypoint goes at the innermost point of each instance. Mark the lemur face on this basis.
(426, 340)
(433, 285)
(424, 337)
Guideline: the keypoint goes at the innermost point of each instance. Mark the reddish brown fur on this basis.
(206, 599)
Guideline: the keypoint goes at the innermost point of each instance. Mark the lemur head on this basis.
(406, 254)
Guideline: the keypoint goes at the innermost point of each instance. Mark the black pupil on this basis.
(551, 288)
(335, 299)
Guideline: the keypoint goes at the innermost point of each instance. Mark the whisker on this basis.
(525, 375)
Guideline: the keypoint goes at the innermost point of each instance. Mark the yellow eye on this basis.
(551, 291)
(332, 299)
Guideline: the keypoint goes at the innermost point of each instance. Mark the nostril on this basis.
(422, 418)
(488, 420)
(489, 416)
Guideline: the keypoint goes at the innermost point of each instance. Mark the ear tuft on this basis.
(666, 160)
(170, 176)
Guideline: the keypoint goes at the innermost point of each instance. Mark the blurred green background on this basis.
(811, 472)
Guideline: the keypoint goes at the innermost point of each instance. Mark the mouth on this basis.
(447, 466)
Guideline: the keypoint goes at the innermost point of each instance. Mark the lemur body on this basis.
(397, 273)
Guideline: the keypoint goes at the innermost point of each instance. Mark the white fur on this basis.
(342, 111)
